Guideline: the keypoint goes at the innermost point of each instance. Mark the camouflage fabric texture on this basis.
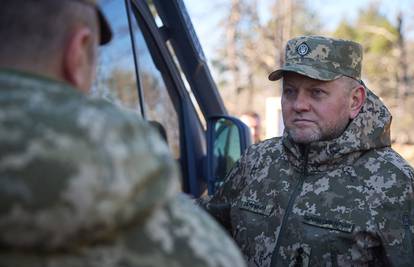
(83, 183)
(343, 202)
(321, 58)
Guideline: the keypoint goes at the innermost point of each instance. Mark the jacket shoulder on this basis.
(112, 167)
(387, 160)
(390, 155)
(272, 146)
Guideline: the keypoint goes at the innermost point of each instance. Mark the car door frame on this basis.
(192, 134)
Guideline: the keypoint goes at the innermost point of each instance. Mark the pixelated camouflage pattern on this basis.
(343, 202)
(83, 183)
(321, 58)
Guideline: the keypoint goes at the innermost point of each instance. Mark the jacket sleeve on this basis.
(395, 215)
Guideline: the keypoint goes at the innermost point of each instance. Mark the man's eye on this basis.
(317, 92)
(288, 91)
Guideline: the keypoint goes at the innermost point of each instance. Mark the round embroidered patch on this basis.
(303, 49)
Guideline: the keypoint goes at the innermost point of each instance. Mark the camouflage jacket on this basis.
(344, 202)
(83, 183)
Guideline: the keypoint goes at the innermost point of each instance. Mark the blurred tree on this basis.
(232, 26)
(385, 67)
(121, 82)
(402, 72)
(253, 47)
(379, 39)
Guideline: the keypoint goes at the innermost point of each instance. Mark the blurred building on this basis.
(274, 119)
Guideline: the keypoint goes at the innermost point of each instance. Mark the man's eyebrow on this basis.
(288, 83)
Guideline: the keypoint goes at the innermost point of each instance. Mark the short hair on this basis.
(35, 30)
(350, 83)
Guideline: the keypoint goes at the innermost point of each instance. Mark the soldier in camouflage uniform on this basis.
(83, 183)
(330, 191)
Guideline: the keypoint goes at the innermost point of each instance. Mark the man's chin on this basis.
(304, 137)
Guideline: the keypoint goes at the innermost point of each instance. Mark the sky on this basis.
(206, 15)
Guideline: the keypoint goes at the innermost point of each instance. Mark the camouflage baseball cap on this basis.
(321, 58)
(105, 28)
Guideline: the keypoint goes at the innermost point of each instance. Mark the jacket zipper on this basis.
(289, 207)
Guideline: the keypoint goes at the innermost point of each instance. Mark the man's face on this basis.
(314, 110)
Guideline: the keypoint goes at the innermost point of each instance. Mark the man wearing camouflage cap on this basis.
(83, 183)
(330, 191)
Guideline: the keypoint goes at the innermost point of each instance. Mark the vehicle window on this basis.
(157, 101)
(227, 148)
(116, 79)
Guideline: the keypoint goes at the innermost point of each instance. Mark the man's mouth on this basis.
(303, 122)
(295, 120)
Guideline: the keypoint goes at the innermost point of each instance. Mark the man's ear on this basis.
(76, 59)
(357, 101)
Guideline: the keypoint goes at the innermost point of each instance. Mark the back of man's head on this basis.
(34, 32)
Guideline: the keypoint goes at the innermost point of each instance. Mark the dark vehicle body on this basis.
(155, 66)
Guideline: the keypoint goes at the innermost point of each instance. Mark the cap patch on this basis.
(303, 49)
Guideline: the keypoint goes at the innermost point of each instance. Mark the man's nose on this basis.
(301, 103)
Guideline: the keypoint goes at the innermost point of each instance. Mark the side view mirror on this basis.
(227, 138)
